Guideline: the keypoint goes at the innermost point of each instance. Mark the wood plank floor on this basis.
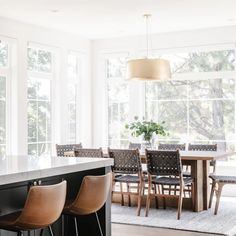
(132, 230)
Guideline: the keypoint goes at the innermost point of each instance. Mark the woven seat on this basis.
(127, 163)
(61, 149)
(167, 168)
(171, 181)
(218, 182)
(223, 179)
(88, 152)
(127, 178)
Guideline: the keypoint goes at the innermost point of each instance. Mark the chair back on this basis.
(202, 147)
(171, 147)
(61, 149)
(43, 205)
(126, 161)
(92, 195)
(163, 163)
(88, 152)
(134, 145)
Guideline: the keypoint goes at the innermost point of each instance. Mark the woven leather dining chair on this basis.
(61, 149)
(92, 195)
(218, 182)
(165, 168)
(204, 147)
(171, 147)
(127, 169)
(174, 147)
(88, 152)
(43, 207)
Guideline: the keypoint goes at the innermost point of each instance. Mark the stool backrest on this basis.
(43, 205)
(163, 163)
(92, 195)
(88, 152)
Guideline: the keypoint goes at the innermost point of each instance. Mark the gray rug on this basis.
(224, 223)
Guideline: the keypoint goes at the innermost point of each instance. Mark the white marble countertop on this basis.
(15, 169)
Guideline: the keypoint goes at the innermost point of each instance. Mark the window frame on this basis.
(77, 80)
(7, 72)
(140, 88)
(49, 76)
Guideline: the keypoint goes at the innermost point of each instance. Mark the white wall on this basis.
(62, 43)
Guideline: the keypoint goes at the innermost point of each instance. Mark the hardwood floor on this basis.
(132, 230)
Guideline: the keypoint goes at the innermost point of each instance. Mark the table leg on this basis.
(197, 175)
(206, 184)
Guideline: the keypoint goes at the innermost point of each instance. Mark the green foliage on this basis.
(146, 128)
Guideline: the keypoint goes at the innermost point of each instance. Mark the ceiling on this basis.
(96, 19)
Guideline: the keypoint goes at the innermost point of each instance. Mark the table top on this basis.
(22, 168)
(185, 155)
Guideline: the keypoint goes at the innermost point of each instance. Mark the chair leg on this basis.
(50, 230)
(164, 199)
(129, 199)
(193, 196)
(213, 185)
(218, 195)
(20, 233)
(156, 198)
(99, 225)
(180, 201)
(148, 198)
(76, 226)
(41, 232)
(140, 190)
(122, 195)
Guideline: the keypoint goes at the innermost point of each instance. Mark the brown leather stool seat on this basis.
(85, 203)
(43, 207)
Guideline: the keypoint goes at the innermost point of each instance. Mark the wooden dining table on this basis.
(200, 169)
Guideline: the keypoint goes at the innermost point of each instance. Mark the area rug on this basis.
(223, 224)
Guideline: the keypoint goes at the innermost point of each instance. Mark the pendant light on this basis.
(148, 68)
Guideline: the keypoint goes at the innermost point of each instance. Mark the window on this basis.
(199, 105)
(74, 73)
(40, 75)
(118, 102)
(4, 80)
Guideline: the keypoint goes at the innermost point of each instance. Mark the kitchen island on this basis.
(18, 173)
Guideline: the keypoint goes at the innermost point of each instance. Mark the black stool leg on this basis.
(41, 232)
(50, 230)
(76, 226)
(20, 233)
(100, 229)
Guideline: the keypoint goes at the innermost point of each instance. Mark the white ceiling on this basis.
(116, 18)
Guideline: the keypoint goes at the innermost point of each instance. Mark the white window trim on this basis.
(53, 79)
(77, 81)
(8, 72)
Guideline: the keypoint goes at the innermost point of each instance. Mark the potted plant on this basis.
(146, 129)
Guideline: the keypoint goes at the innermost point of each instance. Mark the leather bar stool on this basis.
(91, 197)
(43, 207)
